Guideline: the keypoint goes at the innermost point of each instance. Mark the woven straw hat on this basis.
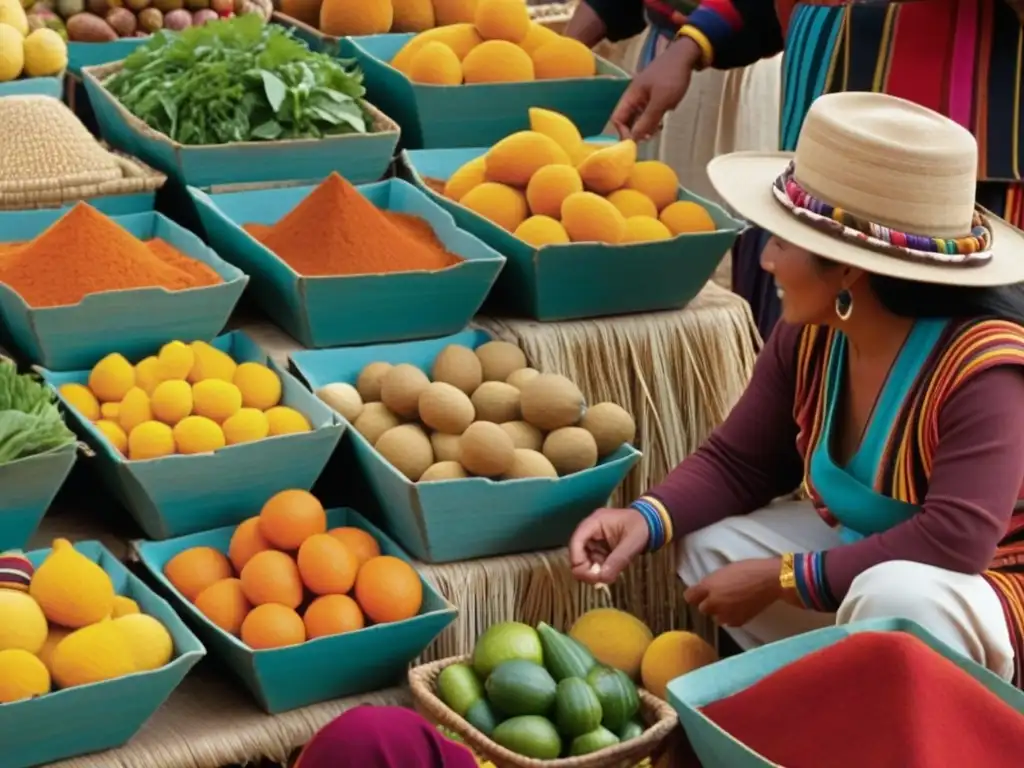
(879, 183)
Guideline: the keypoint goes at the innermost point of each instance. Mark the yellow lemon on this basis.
(111, 378)
(110, 412)
(216, 399)
(46, 53)
(92, 654)
(150, 440)
(124, 606)
(245, 426)
(150, 642)
(82, 400)
(135, 409)
(113, 432)
(172, 401)
(285, 421)
(175, 361)
(56, 634)
(22, 676)
(210, 363)
(147, 374)
(260, 386)
(22, 622)
(12, 51)
(198, 434)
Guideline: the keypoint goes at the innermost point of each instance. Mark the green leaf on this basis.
(274, 88)
(268, 131)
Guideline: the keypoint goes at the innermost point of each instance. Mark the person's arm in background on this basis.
(734, 33)
(596, 20)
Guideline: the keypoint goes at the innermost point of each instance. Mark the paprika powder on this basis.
(878, 699)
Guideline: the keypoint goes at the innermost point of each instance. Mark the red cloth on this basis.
(879, 699)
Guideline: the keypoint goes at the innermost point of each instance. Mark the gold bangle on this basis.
(787, 575)
(707, 51)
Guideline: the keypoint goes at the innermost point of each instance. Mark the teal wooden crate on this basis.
(133, 322)
(82, 55)
(178, 495)
(352, 309)
(477, 115)
(282, 679)
(717, 749)
(34, 86)
(101, 716)
(579, 280)
(27, 488)
(360, 158)
(454, 520)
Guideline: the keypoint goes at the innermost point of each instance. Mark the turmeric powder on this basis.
(337, 231)
(84, 252)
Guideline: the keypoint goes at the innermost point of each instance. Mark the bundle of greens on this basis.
(238, 80)
(30, 422)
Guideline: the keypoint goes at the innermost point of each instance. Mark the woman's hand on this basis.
(739, 592)
(610, 538)
(656, 90)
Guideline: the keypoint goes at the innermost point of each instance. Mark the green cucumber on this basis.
(483, 717)
(631, 730)
(530, 736)
(459, 688)
(521, 687)
(618, 696)
(599, 738)
(577, 710)
(563, 656)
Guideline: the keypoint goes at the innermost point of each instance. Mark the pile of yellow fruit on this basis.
(497, 44)
(189, 398)
(548, 186)
(25, 52)
(62, 625)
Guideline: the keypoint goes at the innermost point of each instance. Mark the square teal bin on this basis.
(360, 158)
(453, 520)
(477, 115)
(353, 309)
(101, 716)
(282, 679)
(82, 55)
(27, 488)
(693, 691)
(132, 322)
(579, 280)
(34, 86)
(178, 495)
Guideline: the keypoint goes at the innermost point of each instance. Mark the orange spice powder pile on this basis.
(85, 252)
(337, 231)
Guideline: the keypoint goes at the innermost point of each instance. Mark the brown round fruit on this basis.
(458, 366)
(530, 464)
(570, 449)
(486, 449)
(550, 401)
(374, 420)
(518, 378)
(407, 449)
(400, 390)
(496, 401)
(446, 408)
(368, 383)
(443, 470)
(524, 435)
(611, 425)
(446, 447)
(500, 359)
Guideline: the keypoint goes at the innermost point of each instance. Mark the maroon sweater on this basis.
(752, 459)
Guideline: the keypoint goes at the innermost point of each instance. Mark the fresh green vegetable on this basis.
(600, 738)
(459, 688)
(238, 80)
(563, 656)
(634, 729)
(30, 422)
(520, 687)
(503, 642)
(617, 693)
(483, 717)
(530, 736)
(577, 709)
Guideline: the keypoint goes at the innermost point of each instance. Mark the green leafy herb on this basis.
(30, 422)
(238, 80)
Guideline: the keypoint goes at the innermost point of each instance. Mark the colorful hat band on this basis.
(971, 250)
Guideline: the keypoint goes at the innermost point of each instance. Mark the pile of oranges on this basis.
(287, 579)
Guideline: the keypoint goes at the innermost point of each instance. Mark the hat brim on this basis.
(744, 180)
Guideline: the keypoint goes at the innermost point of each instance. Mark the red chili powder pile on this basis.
(337, 231)
(85, 252)
(874, 700)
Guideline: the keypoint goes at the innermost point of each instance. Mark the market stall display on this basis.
(440, 521)
(110, 650)
(32, 57)
(288, 661)
(78, 285)
(224, 483)
(334, 264)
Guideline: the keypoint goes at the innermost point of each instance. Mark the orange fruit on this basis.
(195, 569)
(272, 577)
(246, 541)
(272, 626)
(225, 604)
(388, 589)
(326, 565)
(332, 615)
(291, 517)
(359, 542)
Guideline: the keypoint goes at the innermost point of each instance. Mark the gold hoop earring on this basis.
(844, 305)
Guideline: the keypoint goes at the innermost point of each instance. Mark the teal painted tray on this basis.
(434, 116)
(93, 718)
(81, 55)
(568, 282)
(454, 520)
(27, 488)
(34, 86)
(132, 322)
(360, 158)
(717, 749)
(354, 309)
(328, 667)
(178, 495)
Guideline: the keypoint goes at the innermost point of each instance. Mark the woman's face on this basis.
(807, 286)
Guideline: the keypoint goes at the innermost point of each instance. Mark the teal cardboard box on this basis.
(133, 322)
(344, 310)
(100, 716)
(717, 749)
(181, 494)
(358, 157)
(477, 115)
(325, 668)
(27, 488)
(34, 86)
(82, 55)
(580, 280)
(451, 520)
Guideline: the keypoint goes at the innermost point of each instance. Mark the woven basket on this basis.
(660, 718)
